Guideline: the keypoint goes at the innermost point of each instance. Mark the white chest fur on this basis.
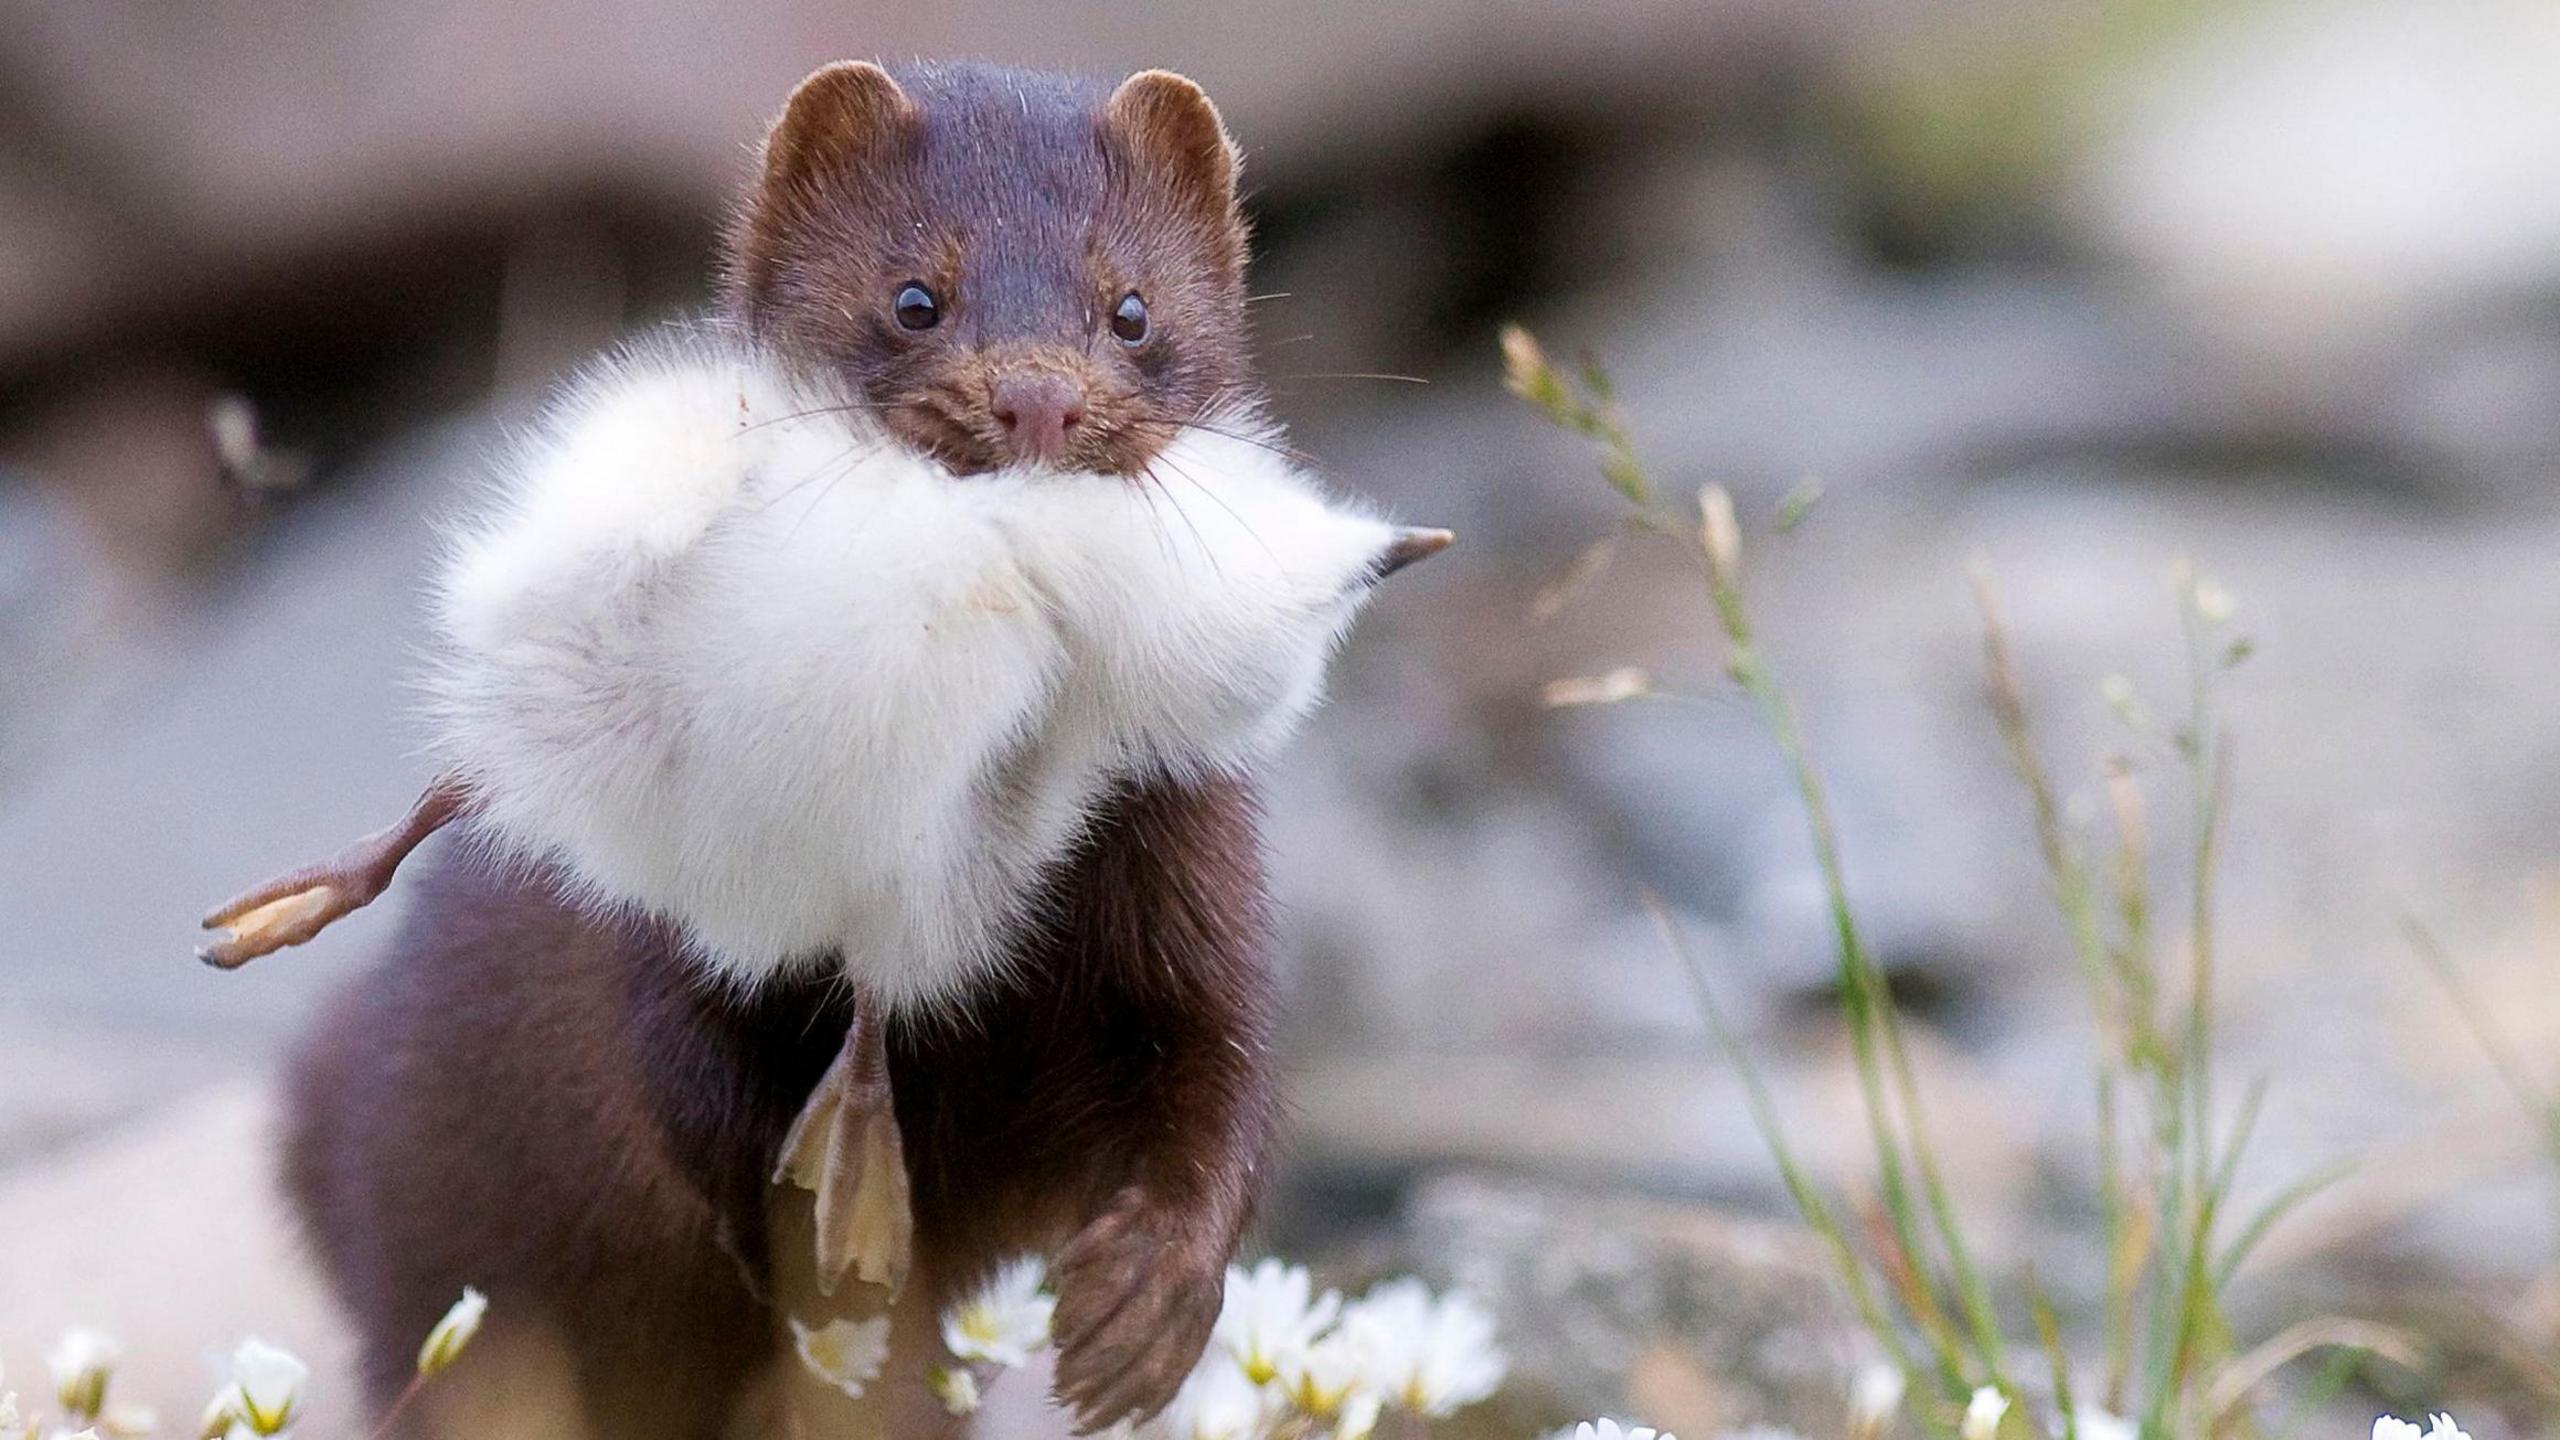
(736, 659)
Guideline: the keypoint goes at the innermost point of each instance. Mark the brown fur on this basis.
(1029, 203)
(555, 1107)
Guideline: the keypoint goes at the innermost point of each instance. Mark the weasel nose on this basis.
(1038, 409)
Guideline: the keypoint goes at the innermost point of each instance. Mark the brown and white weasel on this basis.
(900, 648)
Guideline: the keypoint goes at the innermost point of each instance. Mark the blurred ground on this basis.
(2272, 285)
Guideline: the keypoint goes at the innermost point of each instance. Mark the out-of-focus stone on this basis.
(74, 1079)
(164, 161)
(1692, 1318)
(1674, 1119)
(2310, 174)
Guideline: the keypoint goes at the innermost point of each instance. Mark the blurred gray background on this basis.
(2071, 289)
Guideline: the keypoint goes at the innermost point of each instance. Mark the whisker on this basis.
(843, 467)
(1220, 501)
(1290, 453)
(1290, 340)
(1164, 532)
(1236, 390)
(848, 408)
(1201, 419)
(1149, 470)
(843, 457)
(1355, 375)
(1267, 295)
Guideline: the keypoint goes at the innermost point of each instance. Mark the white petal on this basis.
(461, 1321)
(269, 1380)
(1983, 1413)
(846, 1354)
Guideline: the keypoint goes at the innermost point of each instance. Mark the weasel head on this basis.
(1010, 268)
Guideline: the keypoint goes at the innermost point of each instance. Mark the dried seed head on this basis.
(1625, 683)
(1718, 533)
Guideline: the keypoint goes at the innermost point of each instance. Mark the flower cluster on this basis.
(1285, 1357)
(259, 1400)
(2439, 1427)
(997, 1327)
(1282, 1357)
(80, 1363)
(1983, 1414)
(1607, 1429)
(1283, 1361)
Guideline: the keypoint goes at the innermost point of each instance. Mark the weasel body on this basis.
(892, 657)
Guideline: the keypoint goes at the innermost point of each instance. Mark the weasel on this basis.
(890, 658)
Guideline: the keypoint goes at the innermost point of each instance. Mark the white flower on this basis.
(1321, 1378)
(2439, 1427)
(1982, 1413)
(1875, 1393)
(219, 1413)
(1218, 1402)
(12, 1426)
(1430, 1355)
(956, 1388)
(1605, 1429)
(462, 1321)
(269, 1383)
(130, 1422)
(82, 1361)
(847, 1354)
(2097, 1424)
(1269, 1313)
(1007, 1319)
(1358, 1418)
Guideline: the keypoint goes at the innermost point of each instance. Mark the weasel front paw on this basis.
(1138, 1294)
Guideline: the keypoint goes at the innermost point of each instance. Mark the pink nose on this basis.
(1038, 408)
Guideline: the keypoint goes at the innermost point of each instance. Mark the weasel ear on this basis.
(842, 113)
(1167, 121)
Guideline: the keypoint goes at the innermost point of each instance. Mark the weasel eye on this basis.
(917, 309)
(1129, 322)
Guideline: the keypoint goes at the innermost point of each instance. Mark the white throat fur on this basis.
(732, 656)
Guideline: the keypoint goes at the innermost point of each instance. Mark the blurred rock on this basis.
(2355, 163)
(161, 158)
(1687, 1316)
(72, 1080)
(2324, 182)
(262, 724)
(1672, 1120)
